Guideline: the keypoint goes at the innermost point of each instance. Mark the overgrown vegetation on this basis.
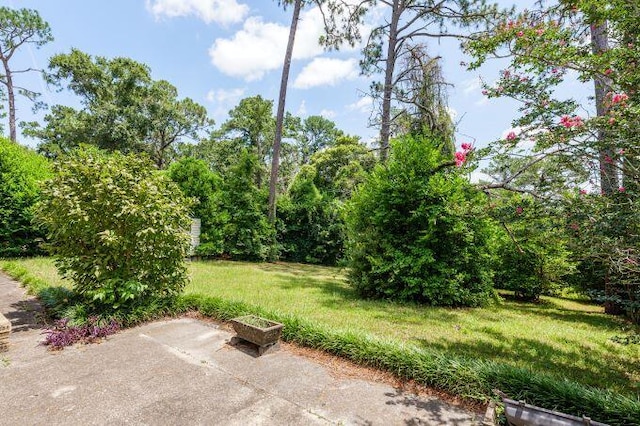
(21, 172)
(418, 232)
(116, 229)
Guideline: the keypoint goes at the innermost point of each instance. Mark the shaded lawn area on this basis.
(568, 338)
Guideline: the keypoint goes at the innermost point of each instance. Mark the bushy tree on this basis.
(417, 231)
(21, 172)
(243, 220)
(197, 181)
(533, 255)
(122, 108)
(312, 228)
(117, 228)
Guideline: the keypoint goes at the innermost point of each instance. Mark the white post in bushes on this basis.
(195, 235)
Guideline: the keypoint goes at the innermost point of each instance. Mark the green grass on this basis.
(567, 338)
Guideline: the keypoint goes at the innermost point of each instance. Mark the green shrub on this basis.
(533, 258)
(196, 180)
(243, 220)
(418, 232)
(21, 171)
(312, 229)
(117, 229)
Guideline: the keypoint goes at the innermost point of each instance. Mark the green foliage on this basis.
(196, 180)
(19, 28)
(533, 256)
(243, 220)
(342, 167)
(117, 229)
(605, 231)
(123, 109)
(417, 232)
(312, 223)
(21, 171)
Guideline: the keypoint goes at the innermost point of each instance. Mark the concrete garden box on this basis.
(260, 331)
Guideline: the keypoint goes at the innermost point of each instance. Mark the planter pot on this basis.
(260, 331)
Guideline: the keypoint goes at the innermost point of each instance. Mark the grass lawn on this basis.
(565, 337)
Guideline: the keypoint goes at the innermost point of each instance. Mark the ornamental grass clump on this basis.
(117, 230)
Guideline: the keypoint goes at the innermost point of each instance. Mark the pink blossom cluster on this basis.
(570, 122)
(511, 136)
(619, 98)
(461, 156)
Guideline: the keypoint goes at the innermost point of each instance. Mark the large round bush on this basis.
(417, 231)
(117, 228)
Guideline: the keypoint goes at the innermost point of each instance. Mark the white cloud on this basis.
(260, 46)
(364, 104)
(226, 96)
(218, 11)
(471, 85)
(328, 113)
(326, 72)
(302, 109)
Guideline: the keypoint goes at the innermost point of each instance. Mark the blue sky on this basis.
(219, 51)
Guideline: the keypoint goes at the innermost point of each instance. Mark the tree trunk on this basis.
(385, 125)
(12, 101)
(275, 160)
(609, 181)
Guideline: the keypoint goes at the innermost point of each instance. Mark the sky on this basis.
(219, 51)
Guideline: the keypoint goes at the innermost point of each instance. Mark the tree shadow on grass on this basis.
(578, 364)
(339, 296)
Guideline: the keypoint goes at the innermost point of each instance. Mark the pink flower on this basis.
(608, 159)
(612, 120)
(621, 189)
(484, 92)
(461, 157)
(520, 33)
(519, 210)
(608, 71)
(466, 146)
(540, 31)
(570, 122)
(511, 136)
(583, 191)
(621, 151)
(619, 98)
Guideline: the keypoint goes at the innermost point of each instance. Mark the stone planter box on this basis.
(519, 413)
(260, 331)
(5, 331)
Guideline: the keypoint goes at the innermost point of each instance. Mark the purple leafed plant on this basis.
(62, 334)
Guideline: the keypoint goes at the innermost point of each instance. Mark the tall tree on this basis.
(316, 133)
(123, 109)
(170, 120)
(406, 23)
(19, 28)
(275, 159)
(251, 122)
